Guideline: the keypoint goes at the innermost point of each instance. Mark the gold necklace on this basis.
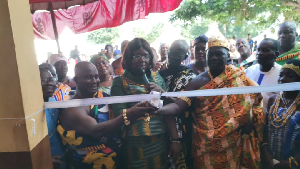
(211, 77)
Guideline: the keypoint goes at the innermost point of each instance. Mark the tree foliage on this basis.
(193, 30)
(104, 36)
(154, 33)
(260, 13)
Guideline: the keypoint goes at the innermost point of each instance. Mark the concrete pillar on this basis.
(20, 92)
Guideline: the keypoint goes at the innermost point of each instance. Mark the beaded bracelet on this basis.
(186, 99)
(127, 122)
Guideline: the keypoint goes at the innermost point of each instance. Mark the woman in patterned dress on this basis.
(144, 139)
(281, 147)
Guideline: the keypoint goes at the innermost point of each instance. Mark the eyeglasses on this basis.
(49, 79)
(147, 57)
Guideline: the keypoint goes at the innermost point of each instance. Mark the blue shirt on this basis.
(52, 122)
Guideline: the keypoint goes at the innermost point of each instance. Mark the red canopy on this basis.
(96, 15)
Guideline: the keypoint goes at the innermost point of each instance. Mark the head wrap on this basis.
(94, 57)
(201, 39)
(293, 65)
(217, 41)
(55, 58)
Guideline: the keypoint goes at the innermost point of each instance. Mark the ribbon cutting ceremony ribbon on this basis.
(155, 96)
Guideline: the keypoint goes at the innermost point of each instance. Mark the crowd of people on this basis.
(255, 130)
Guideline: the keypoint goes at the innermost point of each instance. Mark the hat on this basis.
(94, 57)
(55, 58)
(201, 39)
(179, 47)
(217, 41)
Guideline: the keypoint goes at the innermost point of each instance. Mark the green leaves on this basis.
(239, 12)
(154, 33)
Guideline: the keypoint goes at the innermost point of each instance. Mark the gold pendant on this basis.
(147, 118)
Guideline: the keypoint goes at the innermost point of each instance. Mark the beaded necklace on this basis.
(281, 121)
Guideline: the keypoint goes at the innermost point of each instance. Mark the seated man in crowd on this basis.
(246, 59)
(91, 129)
(223, 133)
(48, 86)
(176, 77)
(163, 51)
(265, 72)
(289, 49)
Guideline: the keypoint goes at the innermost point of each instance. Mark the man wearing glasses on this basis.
(176, 77)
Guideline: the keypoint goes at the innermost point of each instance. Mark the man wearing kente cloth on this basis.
(91, 129)
(227, 130)
(289, 49)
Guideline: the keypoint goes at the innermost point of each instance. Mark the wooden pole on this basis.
(54, 26)
(24, 140)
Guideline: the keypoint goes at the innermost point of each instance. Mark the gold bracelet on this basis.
(127, 122)
(186, 99)
(294, 161)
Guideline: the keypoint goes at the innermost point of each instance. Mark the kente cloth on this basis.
(146, 152)
(281, 140)
(62, 92)
(294, 53)
(56, 146)
(128, 84)
(119, 72)
(176, 78)
(105, 89)
(92, 153)
(217, 138)
(139, 131)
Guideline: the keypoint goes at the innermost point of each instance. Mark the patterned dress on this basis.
(144, 142)
(176, 79)
(92, 153)
(62, 92)
(282, 137)
(217, 139)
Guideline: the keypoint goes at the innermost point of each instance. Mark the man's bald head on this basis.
(86, 78)
(163, 51)
(290, 24)
(243, 47)
(178, 52)
(287, 34)
(82, 67)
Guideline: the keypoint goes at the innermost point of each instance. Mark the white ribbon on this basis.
(156, 96)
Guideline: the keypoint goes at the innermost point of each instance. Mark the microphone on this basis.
(142, 72)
